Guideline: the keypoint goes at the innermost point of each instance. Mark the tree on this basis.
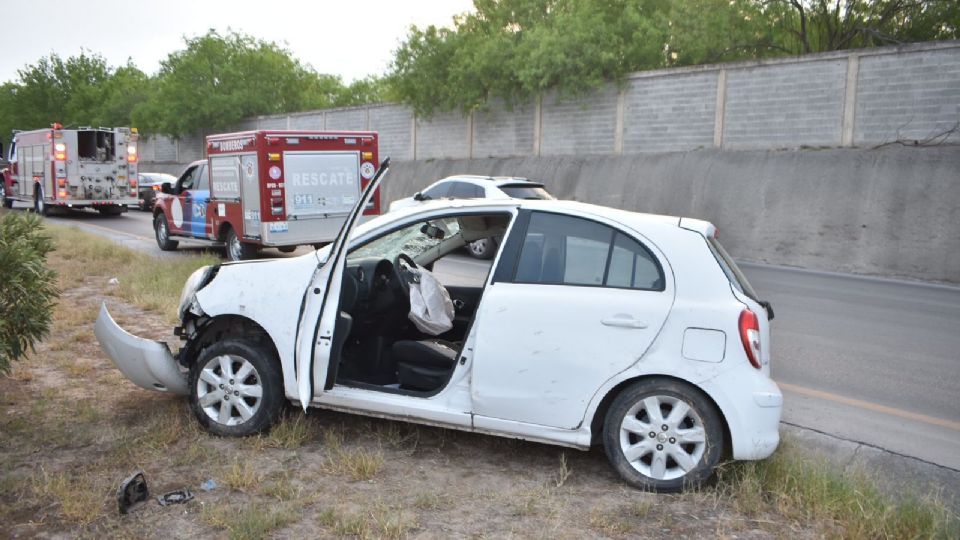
(77, 91)
(808, 26)
(28, 291)
(517, 49)
(219, 80)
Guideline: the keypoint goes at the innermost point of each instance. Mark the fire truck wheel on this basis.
(163, 233)
(237, 250)
(7, 203)
(39, 205)
(110, 210)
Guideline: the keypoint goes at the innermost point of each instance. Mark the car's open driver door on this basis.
(321, 303)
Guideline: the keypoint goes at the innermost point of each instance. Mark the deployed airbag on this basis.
(431, 309)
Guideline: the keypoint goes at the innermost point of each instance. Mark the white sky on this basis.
(350, 38)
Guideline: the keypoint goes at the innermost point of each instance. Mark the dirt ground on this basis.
(72, 428)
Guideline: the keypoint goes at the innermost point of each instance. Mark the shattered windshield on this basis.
(413, 240)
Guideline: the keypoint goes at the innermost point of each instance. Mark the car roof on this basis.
(495, 180)
(635, 220)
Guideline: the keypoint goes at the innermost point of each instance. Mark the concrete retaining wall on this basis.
(725, 143)
(893, 211)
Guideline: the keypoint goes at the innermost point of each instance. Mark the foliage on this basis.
(515, 50)
(79, 90)
(807, 26)
(28, 290)
(219, 80)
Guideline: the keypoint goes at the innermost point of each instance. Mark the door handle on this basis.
(623, 321)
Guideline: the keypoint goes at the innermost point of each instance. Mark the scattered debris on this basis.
(132, 491)
(179, 496)
(209, 485)
(113, 281)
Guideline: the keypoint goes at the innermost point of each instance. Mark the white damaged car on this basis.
(592, 326)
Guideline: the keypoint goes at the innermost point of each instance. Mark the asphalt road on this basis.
(869, 360)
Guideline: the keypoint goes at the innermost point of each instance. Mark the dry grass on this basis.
(379, 522)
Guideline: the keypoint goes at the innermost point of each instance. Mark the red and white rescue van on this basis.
(268, 188)
(72, 168)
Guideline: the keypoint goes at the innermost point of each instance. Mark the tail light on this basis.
(750, 336)
(156, 187)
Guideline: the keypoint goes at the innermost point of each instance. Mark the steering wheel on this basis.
(403, 275)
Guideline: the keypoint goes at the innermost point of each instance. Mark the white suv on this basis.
(477, 187)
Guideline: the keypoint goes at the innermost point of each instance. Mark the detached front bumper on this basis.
(149, 364)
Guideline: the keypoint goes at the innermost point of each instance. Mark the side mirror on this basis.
(166, 188)
(420, 197)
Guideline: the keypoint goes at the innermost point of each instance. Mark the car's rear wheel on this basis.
(236, 388)
(162, 232)
(237, 250)
(483, 248)
(663, 435)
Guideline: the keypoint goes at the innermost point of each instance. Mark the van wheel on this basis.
(663, 435)
(237, 250)
(236, 388)
(162, 232)
(39, 205)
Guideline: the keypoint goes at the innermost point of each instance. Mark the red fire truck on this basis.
(268, 188)
(72, 168)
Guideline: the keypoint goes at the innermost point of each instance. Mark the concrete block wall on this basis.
(839, 99)
(352, 119)
(394, 124)
(666, 114)
(500, 131)
(584, 126)
(913, 99)
(312, 121)
(785, 106)
(443, 136)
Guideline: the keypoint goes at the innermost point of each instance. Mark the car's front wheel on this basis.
(236, 388)
(162, 232)
(663, 435)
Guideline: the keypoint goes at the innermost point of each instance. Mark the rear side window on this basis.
(438, 191)
(463, 190)
(730, 268)
(524, 191)
(565, 250)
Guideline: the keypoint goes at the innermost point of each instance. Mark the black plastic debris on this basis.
(179, 496)
(132, 492)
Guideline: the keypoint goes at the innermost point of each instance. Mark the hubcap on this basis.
(229, 390)
(662, 437)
